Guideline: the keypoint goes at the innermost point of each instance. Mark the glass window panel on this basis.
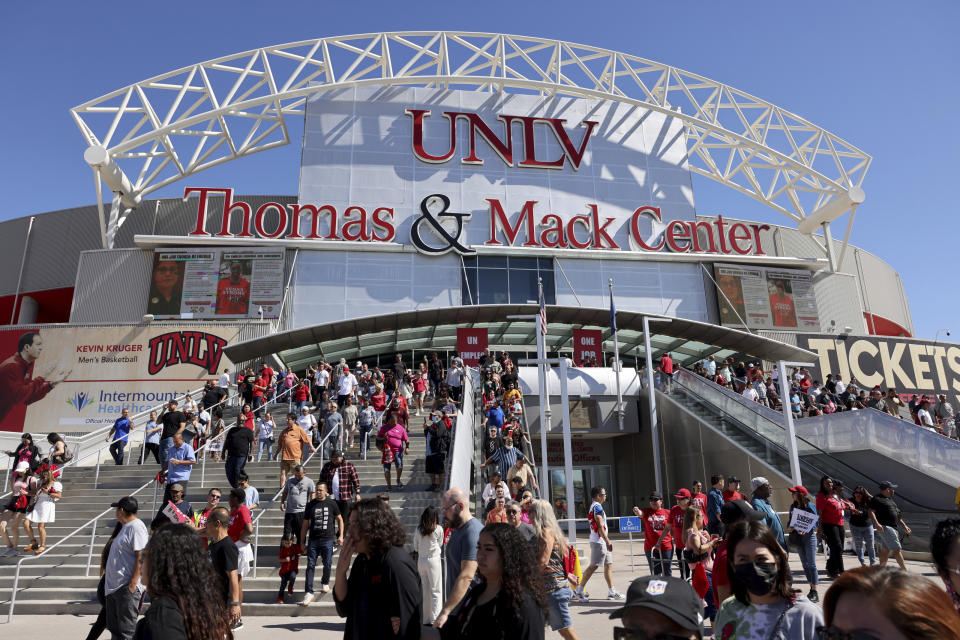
(523, 263)
(545, 263)
(468, 295)
(523, 287)
(470, 262)
(492, 261)
(492, 286)
(549, 289)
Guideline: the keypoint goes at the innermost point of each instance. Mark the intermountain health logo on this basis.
(80, 400)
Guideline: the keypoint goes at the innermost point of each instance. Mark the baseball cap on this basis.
(666, 595)
(655, 496)
(758, 482)
(733, 479)
(736, 510)
(799, 489)
(682, 493)
(127, 503)
(886, 484)
(23, 465)
(336, 453)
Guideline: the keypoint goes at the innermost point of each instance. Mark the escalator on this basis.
(859, 447)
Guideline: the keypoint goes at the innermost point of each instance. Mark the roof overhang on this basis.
(688, 340)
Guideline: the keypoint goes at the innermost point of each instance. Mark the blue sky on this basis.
(881, 75)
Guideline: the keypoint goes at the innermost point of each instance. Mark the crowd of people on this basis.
(809, 397)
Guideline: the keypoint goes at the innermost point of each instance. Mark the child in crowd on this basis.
(289, 563)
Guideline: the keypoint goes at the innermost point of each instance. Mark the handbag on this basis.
(794, 539)
(690, 557)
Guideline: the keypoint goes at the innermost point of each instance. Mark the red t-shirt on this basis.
(656, 524)
(784, 313)
(666, 365)
(289, 558)
(300, 394)
(700, 500)
(239, 518)
(247, 419)
(719, 576)
(233, 297)
(830, 509)
(262, 383)
(378, 401)
(676, 524)
(729, 495)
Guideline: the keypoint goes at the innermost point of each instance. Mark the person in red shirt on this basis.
(830, 526)
(379, 400)
(698, 497)
(732, 492)
(260, 388)
(666, 371)
(781, 304)
(676, 527)
(289, 563)
(657, 544)
(233, 293)
(240, 528)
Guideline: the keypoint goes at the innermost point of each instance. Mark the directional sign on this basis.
(632, 524)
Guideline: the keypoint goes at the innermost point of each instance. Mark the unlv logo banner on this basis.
(71, 379)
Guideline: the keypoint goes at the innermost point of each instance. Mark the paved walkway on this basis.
(589, 620)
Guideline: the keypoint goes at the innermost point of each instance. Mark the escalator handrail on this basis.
(677, 379)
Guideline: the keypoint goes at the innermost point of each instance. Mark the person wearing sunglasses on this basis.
(659, 608)
(883, 603)
(200, 515)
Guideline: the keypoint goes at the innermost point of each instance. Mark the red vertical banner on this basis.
(587, 343)
(471, 345)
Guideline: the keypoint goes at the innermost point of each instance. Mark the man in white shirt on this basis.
(711, 366)
(224, 384)
(455, 380)
(601, 548)
(923, 414)
(750, 393)
(841, 385)
(345, 386)
(122, 573)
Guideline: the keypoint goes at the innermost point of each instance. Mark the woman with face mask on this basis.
(763, 604)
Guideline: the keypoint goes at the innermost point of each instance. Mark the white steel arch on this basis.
(157, 131)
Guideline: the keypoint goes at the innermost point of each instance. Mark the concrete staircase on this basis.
(58, 582)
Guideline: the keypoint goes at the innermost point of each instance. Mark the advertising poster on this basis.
(471, 345)
(216, 283)
(766, 298)
(77, 379)
(909, 366)
(587, 343)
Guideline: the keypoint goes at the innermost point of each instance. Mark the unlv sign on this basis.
(504, 147)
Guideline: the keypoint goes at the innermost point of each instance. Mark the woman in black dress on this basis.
(509, 602)
(178, 575)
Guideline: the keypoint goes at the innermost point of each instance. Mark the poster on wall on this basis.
(77, 379)
(588, 345)
(471, 345)
(217, 284)
(766, 298)
(908, 366)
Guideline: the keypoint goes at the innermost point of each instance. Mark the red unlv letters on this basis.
(185, 347)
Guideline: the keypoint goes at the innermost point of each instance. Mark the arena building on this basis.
(444, 178)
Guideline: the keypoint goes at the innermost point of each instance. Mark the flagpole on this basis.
(544, 404)
(616, 357)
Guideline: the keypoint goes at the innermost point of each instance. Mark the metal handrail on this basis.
(256, 521)
(94, 521)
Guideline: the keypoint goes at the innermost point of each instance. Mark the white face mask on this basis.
(508, 447)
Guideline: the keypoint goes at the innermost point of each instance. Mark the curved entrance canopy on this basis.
(157, 131)
(688, 340)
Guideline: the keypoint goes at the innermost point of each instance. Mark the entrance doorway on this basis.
(584, 479)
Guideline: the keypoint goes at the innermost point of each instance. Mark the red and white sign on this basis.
(587, 343)
(471, 345)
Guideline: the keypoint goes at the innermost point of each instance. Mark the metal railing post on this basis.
(13, 593)
(96, 479)
(93, 533)
(203, 467)
(256, 547)
(156, 486)
(6, 476)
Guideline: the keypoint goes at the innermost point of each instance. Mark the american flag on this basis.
(543, 313)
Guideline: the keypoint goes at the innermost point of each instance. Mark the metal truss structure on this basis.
(155, 132)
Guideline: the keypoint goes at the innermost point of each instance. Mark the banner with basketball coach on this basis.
(77, 379)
